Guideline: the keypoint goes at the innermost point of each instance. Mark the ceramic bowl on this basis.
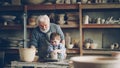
(8, 17)
(95, 62)
(70, 46)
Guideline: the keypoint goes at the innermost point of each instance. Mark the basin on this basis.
(27, 54)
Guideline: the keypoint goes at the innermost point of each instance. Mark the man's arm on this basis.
(33, 40)
(59, 30)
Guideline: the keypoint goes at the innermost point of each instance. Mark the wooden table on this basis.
(61, 64)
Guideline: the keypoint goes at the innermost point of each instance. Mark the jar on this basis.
(54, 55)
(67, 2)
(67, 40)
(59, 1)
(86, 19)
(104, 1)
(98, 20)
(32, 21)
(87, 45)
(84, 1)
(73, 1)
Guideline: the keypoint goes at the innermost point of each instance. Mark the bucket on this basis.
(27, 54)
(95, 62)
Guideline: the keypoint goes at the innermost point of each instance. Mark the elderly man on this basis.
(41, 35)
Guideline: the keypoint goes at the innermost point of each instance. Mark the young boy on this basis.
(56, 47)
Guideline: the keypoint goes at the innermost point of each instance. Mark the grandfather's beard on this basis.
(44, 31)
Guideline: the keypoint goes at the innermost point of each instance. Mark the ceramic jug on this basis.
(67, 40)
(86, 19)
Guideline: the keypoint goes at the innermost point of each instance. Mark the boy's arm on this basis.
(50, 49)
(61, 49)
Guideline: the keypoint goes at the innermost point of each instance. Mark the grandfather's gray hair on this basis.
(42, 18)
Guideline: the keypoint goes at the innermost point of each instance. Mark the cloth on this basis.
(41, 40)
(61, 47)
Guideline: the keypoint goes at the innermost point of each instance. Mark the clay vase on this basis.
(27, 54)
(93, 45)
(67, 40)
(70, 46)
(86, 19)
(95, 62)
(32, 21)
(84, 1)
(87, 45)
(54, 55)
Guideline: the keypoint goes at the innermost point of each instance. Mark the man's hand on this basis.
(33, 47)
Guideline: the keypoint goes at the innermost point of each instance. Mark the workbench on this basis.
(60, 64)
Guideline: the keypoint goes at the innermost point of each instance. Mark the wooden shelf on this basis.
(100, 6)
(11, 8)
(62, 26)
(9, 27)
(40, 7)
(29, 26)
(99, 52)
(66, 6)
(52, 7)
(73, 50)
(69, 26)
(101, 26)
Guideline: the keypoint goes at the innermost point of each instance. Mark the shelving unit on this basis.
(68, 7)
(11, 27)
(55, 8)
(99, 28)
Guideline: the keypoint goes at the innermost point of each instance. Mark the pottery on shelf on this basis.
(84, 1)
(87, 45)
(61, 22)
(86, 19)
(34, 1)
(59, 1)
(70, 46)
(93, 45)
(68, 41)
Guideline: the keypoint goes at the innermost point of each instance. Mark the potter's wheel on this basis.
(95, 62)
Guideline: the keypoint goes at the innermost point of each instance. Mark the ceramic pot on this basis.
(61, 22)
(54, 55)
(84, 1)
(34, 1)
(67, 40)
(32, 21)
(86, 19)
(73, 1)
(87, 45)
(70, 46)
(93, 45)
(95, 62)
(67, 1)
(27, 54)
(59, 1)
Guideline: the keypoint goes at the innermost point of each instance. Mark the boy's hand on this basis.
(58, 51)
